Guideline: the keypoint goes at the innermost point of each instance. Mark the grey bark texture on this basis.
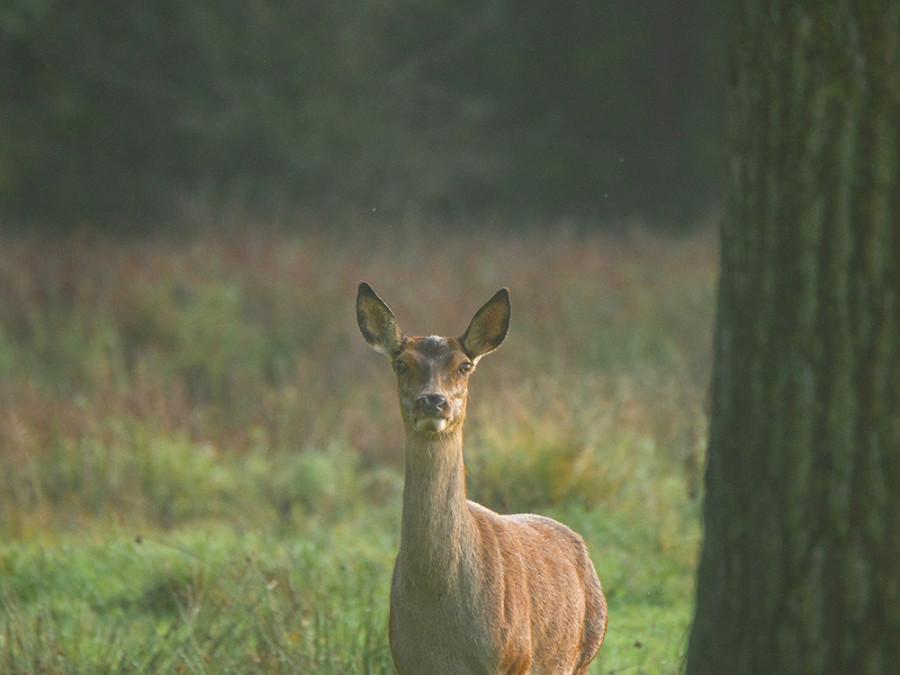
(800, 567)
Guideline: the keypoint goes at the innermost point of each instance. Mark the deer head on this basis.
(432, 372)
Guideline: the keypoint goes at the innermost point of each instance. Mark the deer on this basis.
(473, 591)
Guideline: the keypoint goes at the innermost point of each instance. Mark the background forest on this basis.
(117, 112)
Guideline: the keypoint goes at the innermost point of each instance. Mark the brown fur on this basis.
(474, 591)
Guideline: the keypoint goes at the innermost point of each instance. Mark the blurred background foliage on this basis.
(119, 113)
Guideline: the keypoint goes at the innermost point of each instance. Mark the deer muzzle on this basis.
(430, 412)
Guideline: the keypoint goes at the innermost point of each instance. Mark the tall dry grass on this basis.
(245, 341)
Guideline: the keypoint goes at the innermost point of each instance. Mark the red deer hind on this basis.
(473, 591)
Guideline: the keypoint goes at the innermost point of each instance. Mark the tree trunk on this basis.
(800, 568)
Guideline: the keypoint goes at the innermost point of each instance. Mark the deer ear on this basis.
(377, 322)
(488, 328)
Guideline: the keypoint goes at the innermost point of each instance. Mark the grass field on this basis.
(200, 459)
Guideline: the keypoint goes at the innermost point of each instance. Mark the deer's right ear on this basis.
(377, 322)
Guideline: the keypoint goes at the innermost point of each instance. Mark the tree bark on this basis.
(800, 567)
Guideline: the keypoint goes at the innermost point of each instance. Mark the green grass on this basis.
(195, 600)
(201, 462)
(210, 598)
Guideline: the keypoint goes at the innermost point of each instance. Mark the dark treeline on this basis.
(112, 112)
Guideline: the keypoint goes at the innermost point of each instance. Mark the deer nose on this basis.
(430, 405)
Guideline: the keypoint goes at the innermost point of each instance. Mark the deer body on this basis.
(473, 591)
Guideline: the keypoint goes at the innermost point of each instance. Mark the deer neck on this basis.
(436, 528)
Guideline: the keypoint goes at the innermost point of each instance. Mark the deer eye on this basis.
(466, 368)
(398, 366)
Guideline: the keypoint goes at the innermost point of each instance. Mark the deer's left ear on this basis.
(488, 328)
(377, 322)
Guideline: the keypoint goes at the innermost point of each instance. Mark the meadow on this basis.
(201, 460)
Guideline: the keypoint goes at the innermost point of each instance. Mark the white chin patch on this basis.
(431, 424)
